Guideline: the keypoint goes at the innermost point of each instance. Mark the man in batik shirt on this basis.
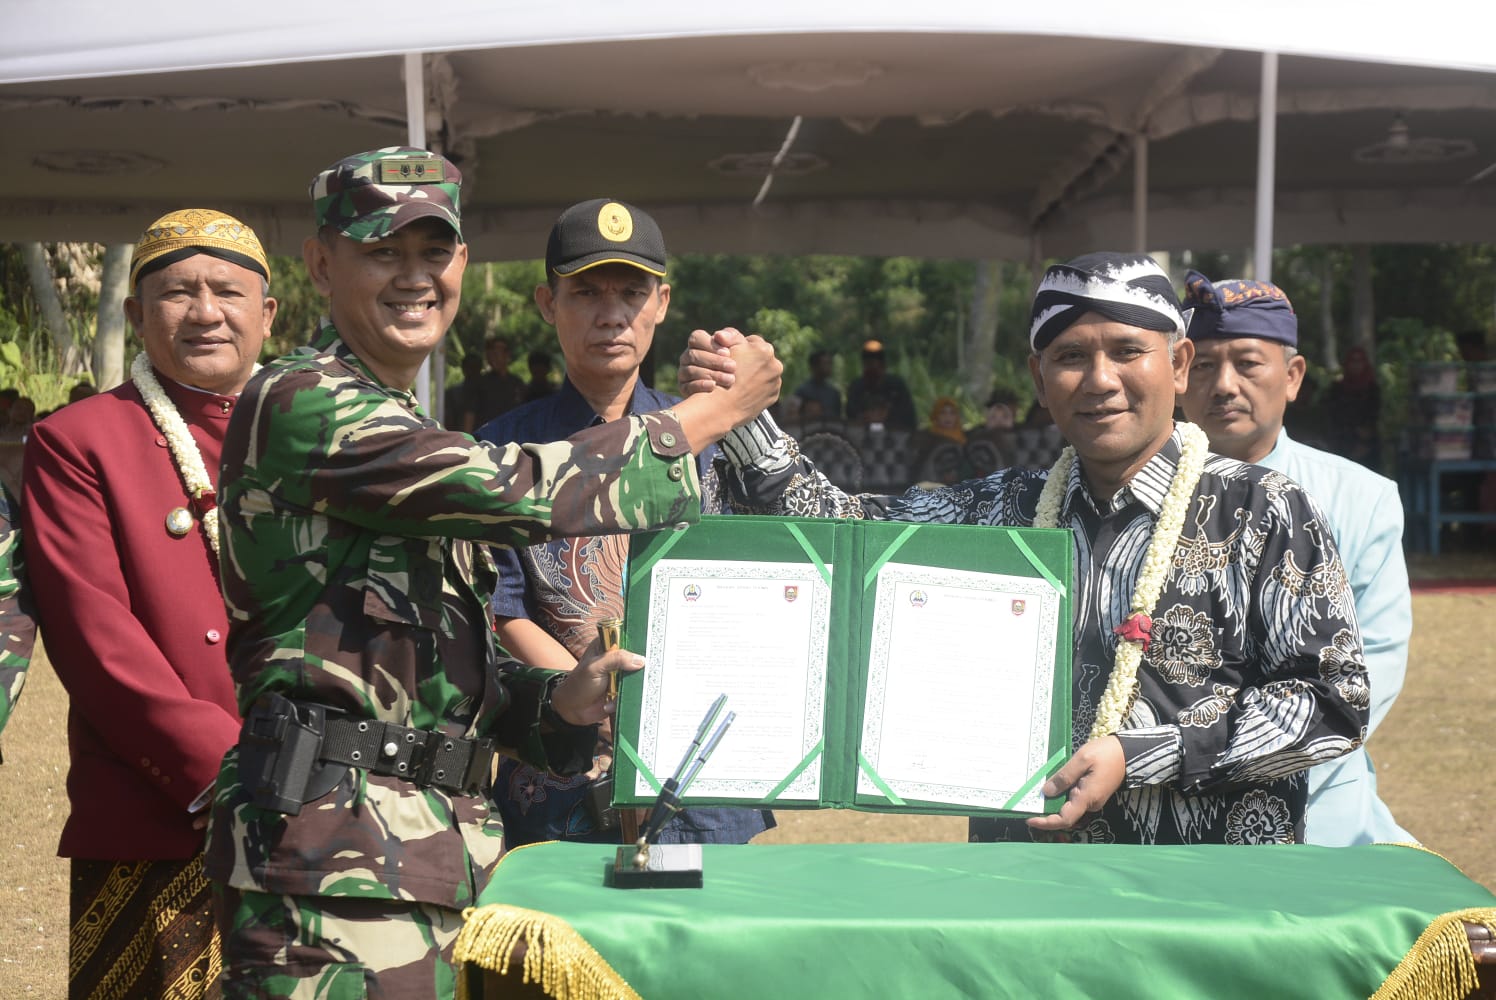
(350, 826)
(1251, 666)
(604, 293)
(17, 627)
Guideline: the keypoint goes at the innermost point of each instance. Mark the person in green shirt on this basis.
(17, 626)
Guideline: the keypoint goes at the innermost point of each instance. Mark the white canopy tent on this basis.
(72, 39)
(963, 129)
(968, 128)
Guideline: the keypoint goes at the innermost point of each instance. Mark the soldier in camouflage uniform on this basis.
(17, 628)
(357, 606)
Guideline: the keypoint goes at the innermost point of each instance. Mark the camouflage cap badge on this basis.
(368, 196)
(604, 231)
(188, 232)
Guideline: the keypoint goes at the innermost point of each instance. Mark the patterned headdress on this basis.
(1125, 288)
(191, 231)
(1226, 309)
(368, 196)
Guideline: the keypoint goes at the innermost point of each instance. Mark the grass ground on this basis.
(1432, 755)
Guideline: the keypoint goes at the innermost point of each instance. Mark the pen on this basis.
(706, 751)
(610, 636)
(701, 733)
(668, 803)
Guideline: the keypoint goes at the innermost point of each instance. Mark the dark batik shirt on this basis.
(566, 587)
(1254, 671)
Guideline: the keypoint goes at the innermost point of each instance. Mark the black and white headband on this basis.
(1125, 288)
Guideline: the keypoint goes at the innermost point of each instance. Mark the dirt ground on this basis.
(1430, 754)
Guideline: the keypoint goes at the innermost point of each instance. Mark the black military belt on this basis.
(295, 752)
(422, 756)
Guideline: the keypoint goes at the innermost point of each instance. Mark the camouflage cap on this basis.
(368, 196)
(604, 231)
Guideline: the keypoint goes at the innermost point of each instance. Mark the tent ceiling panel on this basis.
(859, 75)
(1314, 152)
(934, 141)
(665, 160)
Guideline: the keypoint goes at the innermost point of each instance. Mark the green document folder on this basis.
(871, 665)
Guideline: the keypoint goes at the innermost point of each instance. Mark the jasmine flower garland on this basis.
(184, 450)
(1122, 685)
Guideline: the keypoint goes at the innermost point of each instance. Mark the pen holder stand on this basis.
(669, 866)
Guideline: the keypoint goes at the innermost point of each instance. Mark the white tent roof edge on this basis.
(68, 39)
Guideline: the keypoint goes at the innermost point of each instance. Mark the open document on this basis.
(871, 665)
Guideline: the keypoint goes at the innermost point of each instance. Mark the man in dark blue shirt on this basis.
(878, 398)
(604, 294)
(818, 387)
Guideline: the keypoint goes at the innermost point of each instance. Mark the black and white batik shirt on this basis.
(1254, 671)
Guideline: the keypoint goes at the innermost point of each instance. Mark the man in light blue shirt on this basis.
(1245, 371)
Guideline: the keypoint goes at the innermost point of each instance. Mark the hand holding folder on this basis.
(872, 665)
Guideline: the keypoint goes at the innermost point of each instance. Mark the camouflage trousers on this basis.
(334, 947)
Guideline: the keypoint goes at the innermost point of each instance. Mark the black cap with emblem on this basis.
(603, 231)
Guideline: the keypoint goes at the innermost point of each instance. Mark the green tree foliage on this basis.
(1423, 296)
(920, 309)
(917, 308)
(1443, 286)
(28, 359)
(499, 300)
(301, 306)
(1447, 286)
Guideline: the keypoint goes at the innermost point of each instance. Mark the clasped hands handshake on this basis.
(712, 360)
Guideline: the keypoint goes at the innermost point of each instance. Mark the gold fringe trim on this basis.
(1439, 966)
(1419, 847)
(556, 956)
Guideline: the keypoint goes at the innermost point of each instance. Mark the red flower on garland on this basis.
(1138, 628)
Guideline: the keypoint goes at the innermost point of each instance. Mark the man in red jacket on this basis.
(121, 532)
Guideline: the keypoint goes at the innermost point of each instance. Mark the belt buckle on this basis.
(440, 758)
(409, 746)
(479, 768)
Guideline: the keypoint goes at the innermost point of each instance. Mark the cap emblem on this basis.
(410, 170)
(614, 222)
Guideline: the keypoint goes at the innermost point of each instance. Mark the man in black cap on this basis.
(1246, 371)
(1216, 652)
(604, 293)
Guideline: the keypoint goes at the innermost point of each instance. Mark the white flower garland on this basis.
(184, 450)
(1121, 686)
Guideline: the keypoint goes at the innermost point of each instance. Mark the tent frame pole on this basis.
(1267, 149)
(415, 124)
(1140, 193)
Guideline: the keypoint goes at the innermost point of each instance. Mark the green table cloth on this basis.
(991, 920)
